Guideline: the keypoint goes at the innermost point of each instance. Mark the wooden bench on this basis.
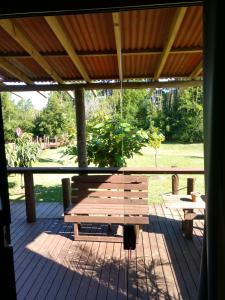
(107, 199)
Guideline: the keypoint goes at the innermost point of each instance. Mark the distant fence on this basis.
(29, 180)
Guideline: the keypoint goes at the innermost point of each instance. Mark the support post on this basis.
(29, 197)
(175, 184)
(66, 193)
(190, 185)
(81, 127)
(187, 224)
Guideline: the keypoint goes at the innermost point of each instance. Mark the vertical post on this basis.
(187, 225)
(66, 193)
(175, 184)
(81, 127)
(29, 197)
(190, 185)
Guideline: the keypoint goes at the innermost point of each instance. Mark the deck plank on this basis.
(49, 264)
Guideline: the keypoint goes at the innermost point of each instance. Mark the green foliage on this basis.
(23, 153)
(180, 116)
(138, 109)
(20, 115)
(111, 142)
(9, 117)
(57, 118)
(25, 115)
(155, 140)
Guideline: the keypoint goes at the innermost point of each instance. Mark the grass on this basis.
(48, 186)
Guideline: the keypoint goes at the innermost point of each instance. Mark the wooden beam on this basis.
(117, 34)
(66, 42)
(17, 33)
(108, 53)
(174, 28)
(197, 70)
(10, 68)
(100, 86)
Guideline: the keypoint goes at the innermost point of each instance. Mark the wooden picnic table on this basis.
(184, 202)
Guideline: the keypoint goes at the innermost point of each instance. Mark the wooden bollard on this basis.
(190, 185)
(175, 184)
(66, 193)
(29, 197)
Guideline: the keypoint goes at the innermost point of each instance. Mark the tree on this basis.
(111, 142)
(25, 115)
(181, 115)
(57, 117)
(9, 117)
(155, 140)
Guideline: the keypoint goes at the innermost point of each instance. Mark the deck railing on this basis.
(29, 181)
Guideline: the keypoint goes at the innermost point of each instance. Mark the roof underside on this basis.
(157, 43)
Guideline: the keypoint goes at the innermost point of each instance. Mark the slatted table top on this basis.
(109, 209)
(183, 201)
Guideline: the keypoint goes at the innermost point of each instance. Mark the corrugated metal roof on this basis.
(35, 68)
(8, 44)
(181, 64)
(190, 33)
(101, 67)
(90, 32)
(139, 65)
(40, 34)
(146, 28)
(143, 30)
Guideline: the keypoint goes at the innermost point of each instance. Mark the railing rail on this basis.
(90, 170)
(29, 181)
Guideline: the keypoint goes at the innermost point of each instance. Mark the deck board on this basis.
(49, 264)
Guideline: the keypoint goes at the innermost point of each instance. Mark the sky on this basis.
(38, 100)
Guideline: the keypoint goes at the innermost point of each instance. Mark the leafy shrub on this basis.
(23, 153)
(111, 142)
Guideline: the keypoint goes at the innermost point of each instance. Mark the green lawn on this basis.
(48, 187)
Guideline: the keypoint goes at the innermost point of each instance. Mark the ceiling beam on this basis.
(117, 34)
(11, 69)
(197, 70)
(100, 86)
(67, 44)
(174, 28)
(186, 50)
(17, 33)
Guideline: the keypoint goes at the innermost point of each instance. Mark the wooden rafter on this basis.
(109, 53)
(66, 42)
(8, 67)
(117, 33)
(174, 28)
(17, 33)
(100, 86)
(197, 70)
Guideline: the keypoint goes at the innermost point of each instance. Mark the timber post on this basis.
(66, 193)
(81, 127)
(175, 184)
(29, 197)
(190, 185)
(187, 224)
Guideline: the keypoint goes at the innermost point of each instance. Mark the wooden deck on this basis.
(50, 265)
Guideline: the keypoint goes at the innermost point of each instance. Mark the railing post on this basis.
(29, 197)
(190, 185)
(66, 193)
(175, 184)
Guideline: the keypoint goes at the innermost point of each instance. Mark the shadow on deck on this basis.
(50, 265)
